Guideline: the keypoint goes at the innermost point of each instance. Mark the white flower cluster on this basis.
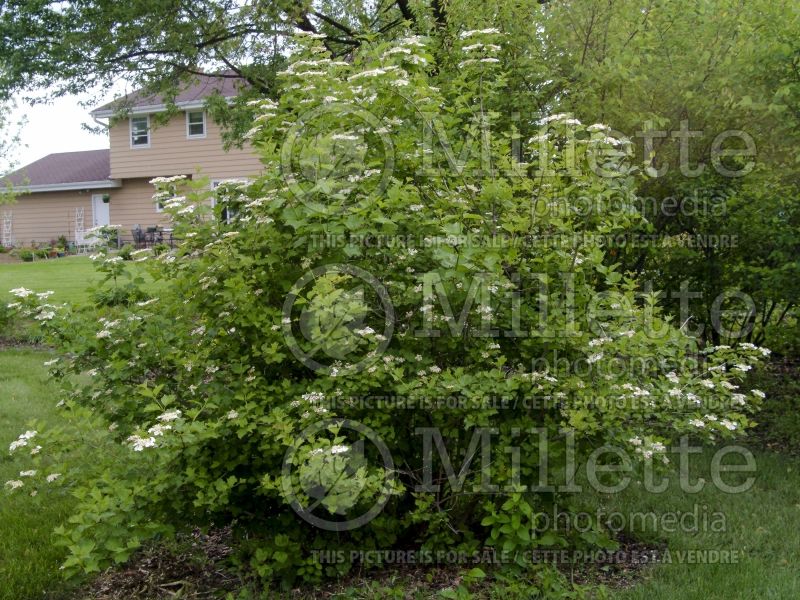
(648, 448)
(22, 292)
(170, 415)
(478, 52)
(473, 32)
(166, 180)
(22, 440)
(140, 443)
(335, 449)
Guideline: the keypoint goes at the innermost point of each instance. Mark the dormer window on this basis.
(195, 124)
(140, 132)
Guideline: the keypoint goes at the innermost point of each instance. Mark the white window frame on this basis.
(189, 135)
(130, 131)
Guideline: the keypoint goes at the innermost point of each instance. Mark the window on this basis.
(140, 132)
(195, 124)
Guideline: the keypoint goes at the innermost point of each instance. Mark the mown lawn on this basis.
(68, 277)
(761, 523)
(28, 560)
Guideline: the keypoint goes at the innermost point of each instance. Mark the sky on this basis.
(54, 127)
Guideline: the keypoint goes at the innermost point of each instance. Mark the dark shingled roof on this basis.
(200, 87)
(63, 167)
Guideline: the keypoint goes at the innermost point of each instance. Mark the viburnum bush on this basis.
(310, 324)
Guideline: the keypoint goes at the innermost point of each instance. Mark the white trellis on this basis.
(8, 229)
(82, 241)
(79, 228)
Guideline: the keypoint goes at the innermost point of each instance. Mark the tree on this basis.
(681, 74)
(87, 45)
(9, 141)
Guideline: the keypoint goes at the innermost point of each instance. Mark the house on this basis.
(70, 192)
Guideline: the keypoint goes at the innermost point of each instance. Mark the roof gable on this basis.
(226, 84)
(64, 169)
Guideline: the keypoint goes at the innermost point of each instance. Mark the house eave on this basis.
(63, 187)
(150, 108)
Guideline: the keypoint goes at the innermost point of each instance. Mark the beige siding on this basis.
(171, 153)
(132, 204)
(45, 216)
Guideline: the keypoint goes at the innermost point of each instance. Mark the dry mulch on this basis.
(199, 571)
(195, 571)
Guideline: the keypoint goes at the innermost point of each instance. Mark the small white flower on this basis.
(594, 358)
(140, 443)
(21, 292)
(739, 399)
(742, 367)
(758, 393)
(232, 414)
(699, 423)
(52, 477)
(730, 425)
(14, 484)
(17, 444)
(170, 415)
(158, 429)
(339, 449)
(31, 473)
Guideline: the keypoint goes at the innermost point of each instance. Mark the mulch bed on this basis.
(199, 570)
(196, 571)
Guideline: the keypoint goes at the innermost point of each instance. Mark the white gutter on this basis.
(61, 187)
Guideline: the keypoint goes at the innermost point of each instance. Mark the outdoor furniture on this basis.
(139, 240)
(153, 236)
(86, 241)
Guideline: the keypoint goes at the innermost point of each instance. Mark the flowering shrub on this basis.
(238, 392)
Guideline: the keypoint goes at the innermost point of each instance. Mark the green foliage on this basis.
(126, 252)
(216, 389)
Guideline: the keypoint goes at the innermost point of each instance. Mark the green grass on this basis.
(28, 560)
(761, 523)
(68, 277)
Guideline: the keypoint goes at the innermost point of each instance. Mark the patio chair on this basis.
(139, 240)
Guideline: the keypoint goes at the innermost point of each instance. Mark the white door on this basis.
(100, 211)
